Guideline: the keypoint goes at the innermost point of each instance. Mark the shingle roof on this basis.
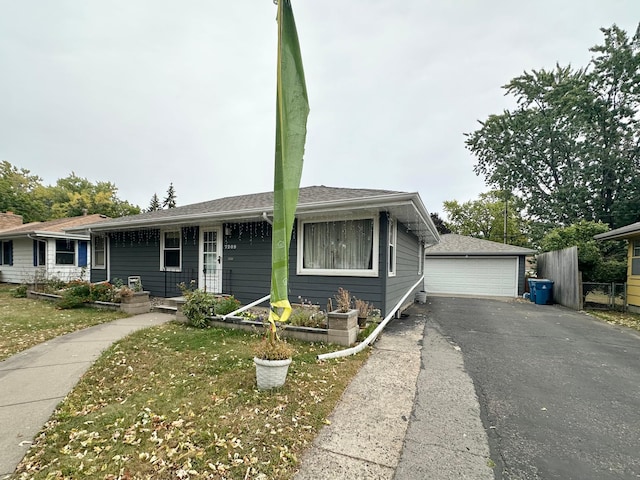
(54, 226)
(316, 200)
(453, 244)
(307, 195)
(620, 233)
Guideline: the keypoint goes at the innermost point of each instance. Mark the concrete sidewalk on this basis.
(33, 382)
(410, 413)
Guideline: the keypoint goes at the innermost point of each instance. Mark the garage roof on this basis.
(453, 244)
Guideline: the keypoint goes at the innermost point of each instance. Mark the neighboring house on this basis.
(43, 250)
(369, 242)
(461, 265)
(632, 234)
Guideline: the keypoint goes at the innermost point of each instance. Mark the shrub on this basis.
(226, 305)
(102, 292)
(20, 291)
(308, 317)
(198, 307)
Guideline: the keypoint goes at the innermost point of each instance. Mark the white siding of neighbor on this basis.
(23, 271)
(477, 276)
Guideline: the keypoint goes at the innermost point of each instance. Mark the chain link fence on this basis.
(604, 296)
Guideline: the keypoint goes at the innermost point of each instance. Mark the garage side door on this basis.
(480, 276)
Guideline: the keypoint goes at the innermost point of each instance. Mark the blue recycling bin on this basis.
(544, 292)
(532, 289)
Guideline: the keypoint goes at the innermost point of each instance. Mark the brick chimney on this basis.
(9, 220)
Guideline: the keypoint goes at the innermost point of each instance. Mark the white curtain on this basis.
(340, 245)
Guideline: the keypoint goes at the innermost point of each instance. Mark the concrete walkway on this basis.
(33, 382)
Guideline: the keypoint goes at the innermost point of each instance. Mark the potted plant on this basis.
(343, 321)
(364, 310)
(272, 357)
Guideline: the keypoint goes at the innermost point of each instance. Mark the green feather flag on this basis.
(291, 131)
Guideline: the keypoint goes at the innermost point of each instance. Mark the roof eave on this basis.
(44, 234)
(375, 202)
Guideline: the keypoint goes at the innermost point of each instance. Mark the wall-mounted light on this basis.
(227, 231)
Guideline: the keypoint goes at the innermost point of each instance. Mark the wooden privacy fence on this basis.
(561, 266)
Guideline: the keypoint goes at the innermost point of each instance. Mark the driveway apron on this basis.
(559, 390)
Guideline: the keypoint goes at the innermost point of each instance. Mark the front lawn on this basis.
(178, 402)
(25, 322)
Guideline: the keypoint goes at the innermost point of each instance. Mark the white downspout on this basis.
(246, 307)
(371, 338)
(266, 218)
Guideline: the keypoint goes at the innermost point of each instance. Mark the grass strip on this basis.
(26, 322)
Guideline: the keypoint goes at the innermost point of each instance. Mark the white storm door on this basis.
(210, 260)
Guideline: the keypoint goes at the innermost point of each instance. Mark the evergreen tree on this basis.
(154, 204)
(439, 223)
(170, 200)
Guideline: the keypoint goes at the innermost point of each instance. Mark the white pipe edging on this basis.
(246, 307)
(371, 338)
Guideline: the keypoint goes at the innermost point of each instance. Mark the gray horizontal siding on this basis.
(138, 253)
(407, 251)
(247, 258)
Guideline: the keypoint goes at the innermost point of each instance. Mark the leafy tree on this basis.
(154, 204)
(170, 200)
(20, 193)
(485, 218)
(439, 223)
(570, 149)
(598, 261)
(74, 196)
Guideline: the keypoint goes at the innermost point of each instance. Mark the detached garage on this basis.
(460, 265)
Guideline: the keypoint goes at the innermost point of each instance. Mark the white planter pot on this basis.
(271, 373)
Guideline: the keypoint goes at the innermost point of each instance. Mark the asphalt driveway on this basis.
(559, 391)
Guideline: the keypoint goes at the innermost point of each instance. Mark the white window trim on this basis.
(94, 256)
(392, 247)
(635, 246)
(373, 272)
(162, 249)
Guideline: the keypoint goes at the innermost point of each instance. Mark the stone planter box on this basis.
(343, 321)
(343, 327)
(137, 303)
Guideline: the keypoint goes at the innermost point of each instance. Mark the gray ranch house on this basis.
(370, 242)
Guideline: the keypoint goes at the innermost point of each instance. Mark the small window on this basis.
(635, 260)
(99, 252)
(6, 253)
(42, 253)
(393, 236)
(171, 251)
(39, 253)
(65, 252)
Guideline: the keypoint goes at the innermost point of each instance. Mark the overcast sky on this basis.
(146, 92)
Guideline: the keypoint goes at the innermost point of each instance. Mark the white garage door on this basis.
(481, 276)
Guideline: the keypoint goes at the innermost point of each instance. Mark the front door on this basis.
(210, 261)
